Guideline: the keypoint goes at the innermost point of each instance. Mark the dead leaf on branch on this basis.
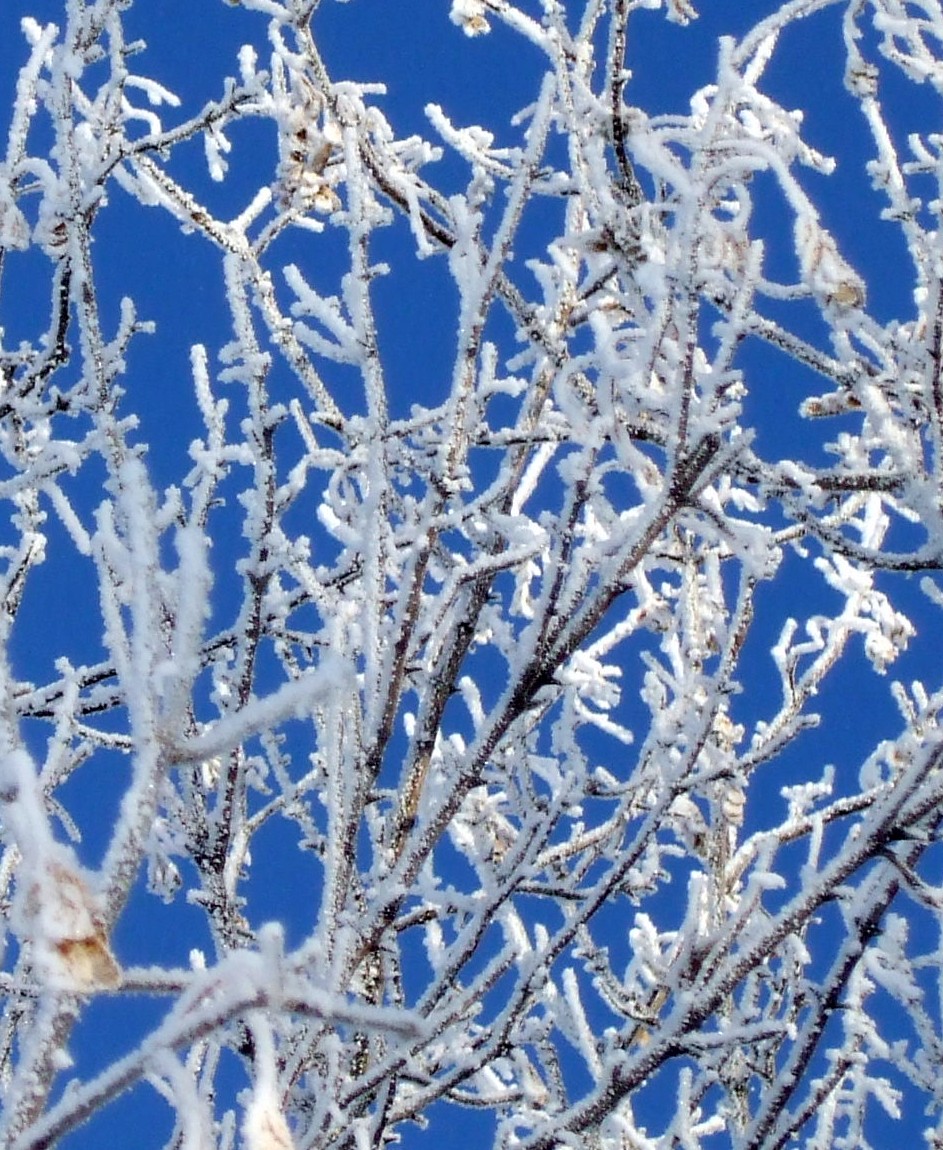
(65, 927)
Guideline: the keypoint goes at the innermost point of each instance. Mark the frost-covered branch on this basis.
(516, 680)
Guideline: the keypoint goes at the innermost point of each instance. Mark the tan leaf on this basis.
(63, 908)
(89, 963)
(266, 1128)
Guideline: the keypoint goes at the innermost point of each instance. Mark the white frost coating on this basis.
(291, 699)
(468, 640)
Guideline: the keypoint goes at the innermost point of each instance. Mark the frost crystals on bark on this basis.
(459, 635)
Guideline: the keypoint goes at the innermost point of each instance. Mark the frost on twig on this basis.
(490, 556)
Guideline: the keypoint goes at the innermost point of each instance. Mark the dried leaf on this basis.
(265, 1126)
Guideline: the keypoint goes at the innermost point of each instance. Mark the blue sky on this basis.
(411, 46)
